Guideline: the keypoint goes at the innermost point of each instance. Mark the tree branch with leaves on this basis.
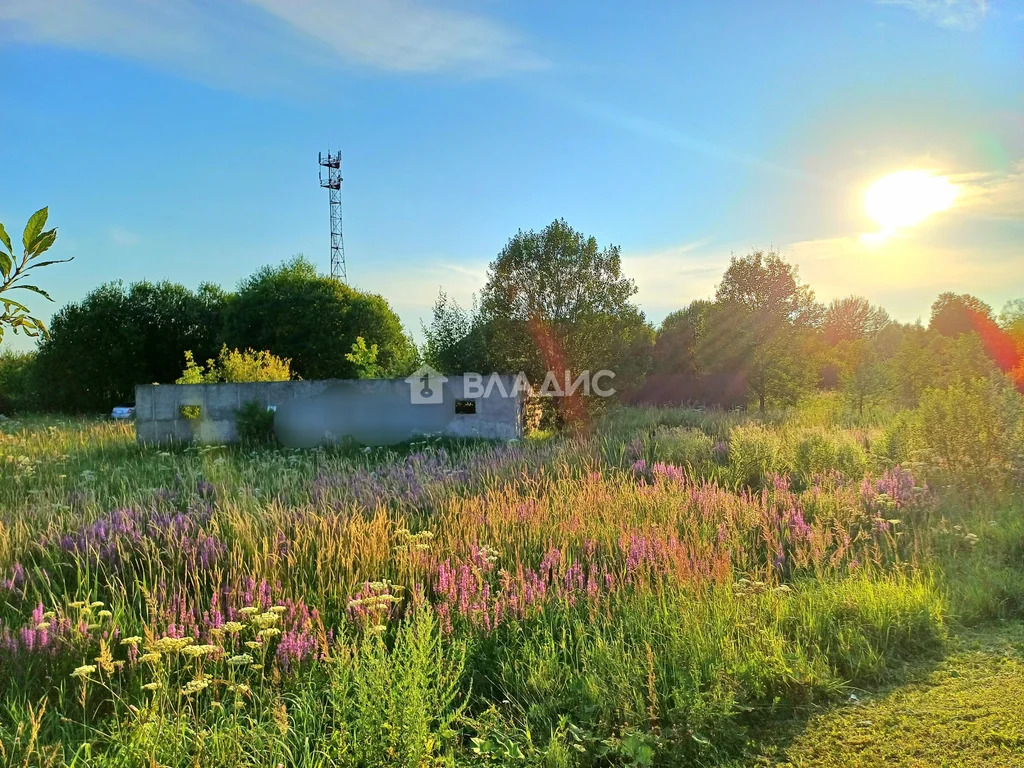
(14, 270)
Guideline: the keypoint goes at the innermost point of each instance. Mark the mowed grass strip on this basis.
(966, 712)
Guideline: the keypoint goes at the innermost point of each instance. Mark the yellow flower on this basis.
(278, 609)
(240, 660)
(195, 686)
(133, 640)
(249, 610)
(170, 644)
(200, 650)
(153, 657)
(104, 614)
(267, 619)
(96, 604)
(233, 626)
(253, 644)
(152, 686)
(77, 604)
(84, 671)
(269, 632)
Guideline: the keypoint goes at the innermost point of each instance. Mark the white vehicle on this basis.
(123, 411)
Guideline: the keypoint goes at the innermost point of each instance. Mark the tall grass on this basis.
(640, 595)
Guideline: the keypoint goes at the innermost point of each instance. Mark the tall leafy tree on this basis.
(116, 337)
(762, 327)
(953, 313)
(853, 318)
(454, 338)
(675, 345)
(314, 320)
(556, 300)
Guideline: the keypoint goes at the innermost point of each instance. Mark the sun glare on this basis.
(905, 198)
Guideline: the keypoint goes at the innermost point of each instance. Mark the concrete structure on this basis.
(370, 411)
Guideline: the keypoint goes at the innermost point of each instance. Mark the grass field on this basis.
(672, 588)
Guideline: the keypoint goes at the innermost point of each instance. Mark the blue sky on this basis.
(178, 139)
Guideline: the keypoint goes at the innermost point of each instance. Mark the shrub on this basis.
(754, 453)
(684, 447)
(236, 367)
(973, 434)
(399, 706)
(17, 386)
(822, 452)
(254, 423)
(899, 443)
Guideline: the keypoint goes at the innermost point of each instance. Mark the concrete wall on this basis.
(159, 418)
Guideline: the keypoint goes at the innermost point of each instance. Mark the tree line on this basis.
(556, 300)
(120, 335)
(553, 300)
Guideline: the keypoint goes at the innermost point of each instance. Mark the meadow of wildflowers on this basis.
(644, 594)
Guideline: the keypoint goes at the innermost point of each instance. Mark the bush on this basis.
(254, 423)
(756, 452)
(899, 443)
(684, 447)
(236, 367)
(17, 385)
(973, 434)
(822, 452)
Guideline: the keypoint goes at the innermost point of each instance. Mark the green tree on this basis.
(675, 345)
(100, 348)
(314, 320)
(455, 340)
(853, 318)
(763, 327)
(364, 358)
(14, 270)
(953, 314)
(866, 382)
(556, 301)
(17, 382)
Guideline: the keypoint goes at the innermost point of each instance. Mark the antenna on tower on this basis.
(332, 182)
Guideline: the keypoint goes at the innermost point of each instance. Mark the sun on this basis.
(906, 198)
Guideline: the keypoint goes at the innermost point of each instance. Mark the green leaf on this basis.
(8, 303)
(35, 225)
(42, 242)
(6, 239)
(5, 265)
(36, 289)
(53, 261)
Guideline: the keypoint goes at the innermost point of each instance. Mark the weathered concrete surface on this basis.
(372, 411)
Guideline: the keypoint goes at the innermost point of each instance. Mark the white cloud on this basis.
(268, 43)
(123, 238)
(404, 35)
(955, 14)
(998, 195)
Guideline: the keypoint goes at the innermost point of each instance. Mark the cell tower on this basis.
(332, 182)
